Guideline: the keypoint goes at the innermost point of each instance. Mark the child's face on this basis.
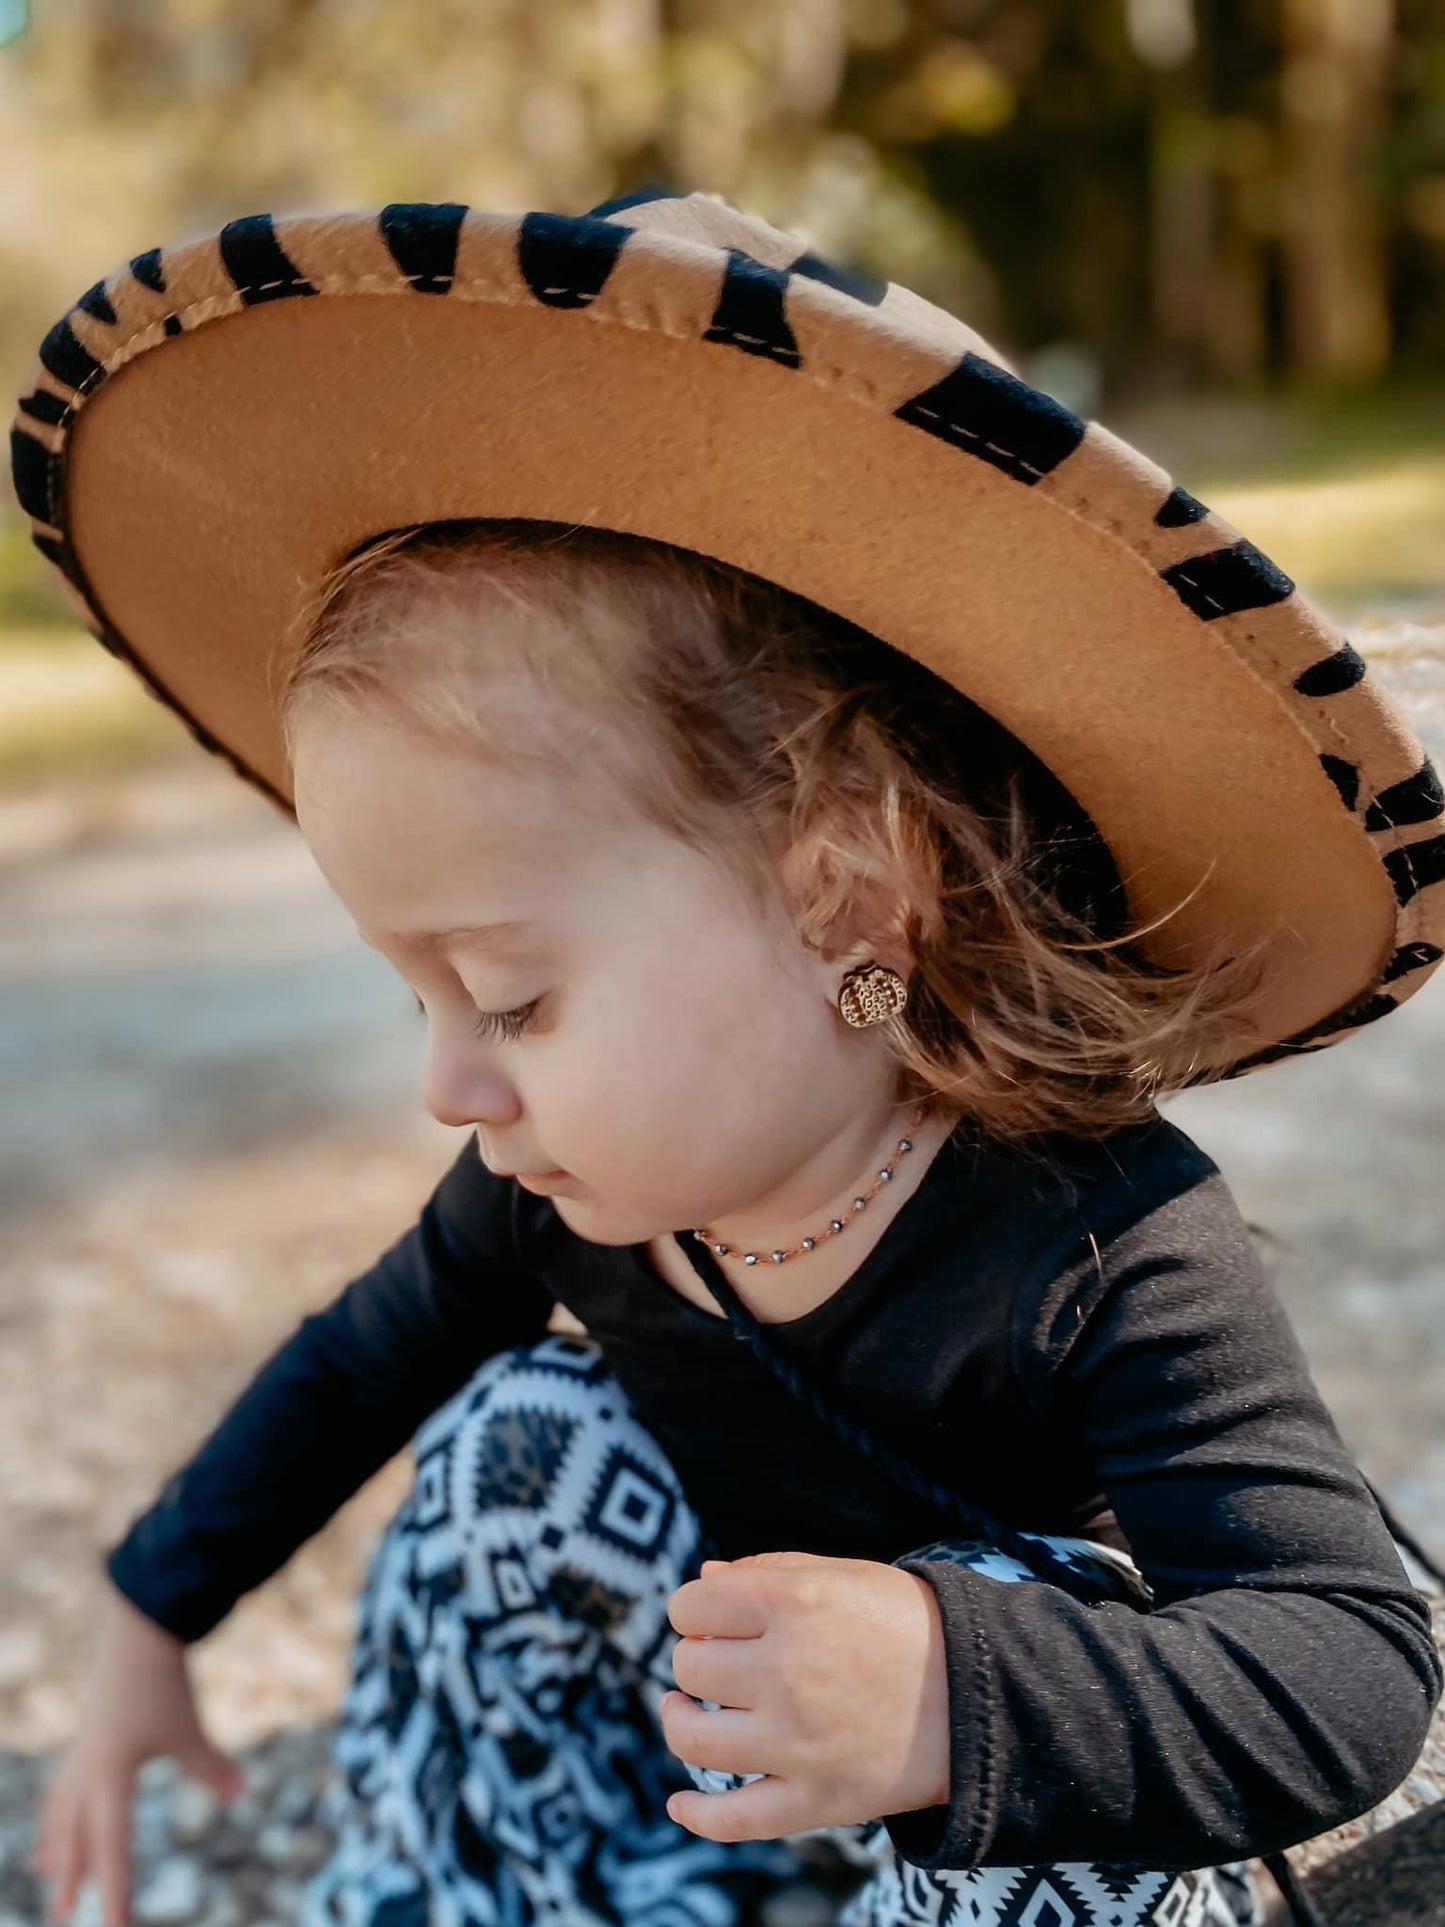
(682, 1059)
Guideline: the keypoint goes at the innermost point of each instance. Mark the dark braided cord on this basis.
(1031, 1549)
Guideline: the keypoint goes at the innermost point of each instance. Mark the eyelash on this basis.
(504, 1023)
(507, 1024)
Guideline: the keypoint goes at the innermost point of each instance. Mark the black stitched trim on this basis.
(1345, 777)
(61, 355)
(96, 303)
(1227, 581)
(42, 406)
(422, 239)
(1178, 508)
(1411, 956)
(984, 410)
(147, 268)
(1415, 800)
(566, 259)
(750, 311)
(34, 472)
(1416, 866)
(847, 280)
(1332, 675)
(260, 267)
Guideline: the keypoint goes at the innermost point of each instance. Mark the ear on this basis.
(848, 921)
(869, 927)
(868, 934)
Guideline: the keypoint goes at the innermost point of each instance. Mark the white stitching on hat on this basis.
(1190, 583)
(974, 436)
(212, 306)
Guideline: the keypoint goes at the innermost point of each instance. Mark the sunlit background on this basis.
(1218, 228)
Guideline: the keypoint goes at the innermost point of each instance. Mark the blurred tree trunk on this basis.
(1183, 219)
(1333, 88)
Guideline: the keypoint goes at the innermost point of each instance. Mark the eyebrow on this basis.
(483, 935)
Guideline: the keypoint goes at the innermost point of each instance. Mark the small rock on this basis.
(151, 1827)
(159, 1775)
(192, 1811)
(296, 1800)
(276, 1842)
(224, 1911)
(260, 1775)
(174, 1892)
(311, 1846)
(799, 1905)
(89, 1908)
(245, 1810)
(229, 1848)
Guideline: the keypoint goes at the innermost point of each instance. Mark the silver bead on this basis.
(860, 1204)
(886, 1173)
(905, 1144)
(807, 1244)
(721, 1250)
(751, 1258)
(836, 1223)
(778, 1257)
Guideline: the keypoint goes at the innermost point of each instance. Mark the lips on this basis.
(497, 1173)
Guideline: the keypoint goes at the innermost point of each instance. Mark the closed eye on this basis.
(504, 1023)
(496, 1023)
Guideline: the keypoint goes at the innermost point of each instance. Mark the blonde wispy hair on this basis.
(816, 765)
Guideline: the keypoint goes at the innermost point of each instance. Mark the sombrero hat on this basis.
(217, 423)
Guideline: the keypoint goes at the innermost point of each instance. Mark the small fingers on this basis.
(110, 1817)
(726, 1739)
(761, 1810)
(725, 1670)
(58, 1854)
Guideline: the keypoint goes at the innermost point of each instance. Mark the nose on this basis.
(458, 1089)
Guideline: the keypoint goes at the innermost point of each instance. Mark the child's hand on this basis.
(831, 1679)
(136, 1704)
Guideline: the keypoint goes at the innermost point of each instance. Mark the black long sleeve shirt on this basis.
(1053, 1337)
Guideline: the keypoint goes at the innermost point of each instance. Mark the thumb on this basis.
(213, 1768)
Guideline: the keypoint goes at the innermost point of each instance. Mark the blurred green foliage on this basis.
(29, 602)
(1216, 225)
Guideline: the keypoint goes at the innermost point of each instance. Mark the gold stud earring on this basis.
(870, 993)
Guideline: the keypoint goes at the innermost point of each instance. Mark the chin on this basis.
(567, 1207)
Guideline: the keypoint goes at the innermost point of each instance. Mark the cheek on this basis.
(699, 1057)
(654, 1084)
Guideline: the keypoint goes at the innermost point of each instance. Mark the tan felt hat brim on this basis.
(218, 423)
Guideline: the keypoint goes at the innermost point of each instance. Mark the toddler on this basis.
(853, 1430)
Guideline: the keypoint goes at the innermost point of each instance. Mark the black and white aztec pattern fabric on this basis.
(500, 1760)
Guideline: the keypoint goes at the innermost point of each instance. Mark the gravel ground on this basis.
(214, 1121)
